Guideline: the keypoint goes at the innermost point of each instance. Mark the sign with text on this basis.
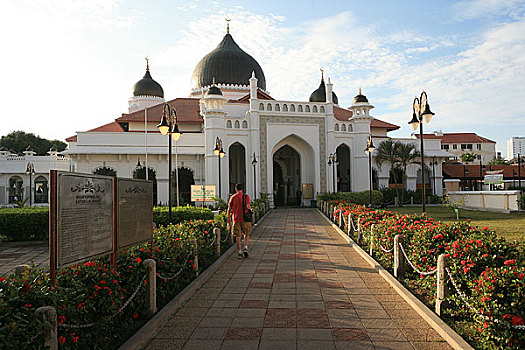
(308, 191)
(493, 177)
(134, 212)
(202, 193)
(84, 217)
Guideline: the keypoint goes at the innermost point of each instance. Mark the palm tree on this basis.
(406, 153)
(386, 153)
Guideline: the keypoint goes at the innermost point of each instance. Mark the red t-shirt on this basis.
(235, 205)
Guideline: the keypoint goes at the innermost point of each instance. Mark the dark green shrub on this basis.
(22, 224)
(180, 214)
(354, 197)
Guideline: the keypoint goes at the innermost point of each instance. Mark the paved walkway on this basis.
(13, 254)
(302, 287)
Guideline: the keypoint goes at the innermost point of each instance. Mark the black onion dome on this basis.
(319, 95)
(148, 87)
(229, 64)
(214, 90)
(360, 98)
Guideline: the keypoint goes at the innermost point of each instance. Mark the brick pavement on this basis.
(13, 254)
(302, 287)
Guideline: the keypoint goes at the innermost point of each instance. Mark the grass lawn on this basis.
(510, 226)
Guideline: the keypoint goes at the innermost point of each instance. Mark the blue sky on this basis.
(70, 65)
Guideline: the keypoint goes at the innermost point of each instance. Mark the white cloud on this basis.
(470, 9)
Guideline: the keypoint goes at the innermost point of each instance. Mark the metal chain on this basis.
(486, 318)
(88, 325)
(214, 239)
(225, 238)
(413, 266)
(384, 250)
(178, 273)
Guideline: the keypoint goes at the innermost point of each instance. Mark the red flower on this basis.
(507, 317)
(517, 321)
(138, 260)
(509, 262)
(75, 339)
(485, 228)
(61, 319)
(61, 339)
(135, 315)
(438, 236)
(2, 279)
(28, 305)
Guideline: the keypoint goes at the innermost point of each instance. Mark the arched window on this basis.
(307, 109)
(41, 190)
(229, 124)
(292, 108)
(16, 189)
(237, 124)
(343, 127)
(269, 107)
(140, 173)
(277, 107)
(104, 170)
(261, 106)
(336, 127)
(322, 109)
(315, 109)
(285, 108)
(245, 124)
(300, 108)
(350, 127)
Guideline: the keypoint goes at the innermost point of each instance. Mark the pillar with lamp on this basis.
(254, 163)
(168, 126)
(219, 152)
(368, 150)
(332, 161)
(421, 112)
(31, 171)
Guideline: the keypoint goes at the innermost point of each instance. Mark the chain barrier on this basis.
(178, 273)
(31, 340)
(226, 238)
(413, 266)
(352, 222)
(486, 318)
(385, 250)
(88, 325)
(214, 239)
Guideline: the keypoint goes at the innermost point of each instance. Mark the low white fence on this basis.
(488, 200)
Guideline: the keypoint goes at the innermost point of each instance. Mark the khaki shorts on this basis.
(240, 228)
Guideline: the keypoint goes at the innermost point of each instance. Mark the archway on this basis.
(343, 169)
(41, 190)
(286, 176)
(185, 181)
(140, 173)
(237, 166)
(104, 170)
(16, 189)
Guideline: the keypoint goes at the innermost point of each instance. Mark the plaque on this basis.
(135, 212)
(84, 217)
(202, 193)
(308, 191)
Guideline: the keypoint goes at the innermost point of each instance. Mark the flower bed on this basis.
(487, 298)
(95, 293)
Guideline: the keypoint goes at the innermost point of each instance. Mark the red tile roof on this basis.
(376, 123)
(246, 98)
(345, 114)
(472, 171)
(109, 127)
(458, 137)
(188, 111)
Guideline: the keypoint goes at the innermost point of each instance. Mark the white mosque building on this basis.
(291, 141)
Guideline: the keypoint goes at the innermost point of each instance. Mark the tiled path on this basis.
(302, 287)
(13, 254)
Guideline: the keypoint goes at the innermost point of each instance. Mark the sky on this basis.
(70, 65)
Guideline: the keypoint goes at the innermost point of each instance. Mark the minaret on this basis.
(329, 96)
(146, 92)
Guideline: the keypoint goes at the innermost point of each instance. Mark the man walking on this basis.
(238, 205)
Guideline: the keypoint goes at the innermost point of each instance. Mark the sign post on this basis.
(202, 193)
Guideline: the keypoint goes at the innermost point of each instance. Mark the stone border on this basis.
(444, 330)
(141, 338)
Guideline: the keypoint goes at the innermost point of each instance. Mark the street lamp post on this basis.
(254, 162)
(30, 170)
(368, 150)
(421, 112)
(519, 171)
(219, 152)
(434, 162)
(332, 160)
(168, 126)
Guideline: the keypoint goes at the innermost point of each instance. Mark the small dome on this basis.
(148, 87)
(360, 98)
(214, 90)
(228, 64)
(29, 149)
(319, 95)
(53, 149)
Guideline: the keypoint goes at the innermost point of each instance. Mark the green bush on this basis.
(390, 193)
(354, 197)
(22, 224)
(180, 214)
(521, 202)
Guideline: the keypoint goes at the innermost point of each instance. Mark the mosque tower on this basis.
(146, 93)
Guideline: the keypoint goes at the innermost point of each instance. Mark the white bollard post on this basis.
(349, 224)
(217, 233)
(195, 257)
(340, 217)
(359, 237)
(399, 267)
(152, 286)
(50, 330)
(441, 289)
(371, 240)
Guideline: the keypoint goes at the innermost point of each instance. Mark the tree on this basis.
(498, 161)
(468, 157)
(386, 153)
(18, 141)
(406, 153)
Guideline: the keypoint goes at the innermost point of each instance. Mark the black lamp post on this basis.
(332, 160)
(421, 111)
(254, 162)
(219, 152)
(168, 126)
(519, 171)
(434, 162)
(30, 170)
(368, 150)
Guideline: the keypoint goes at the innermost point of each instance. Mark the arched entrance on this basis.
(185, 181)
(41, 190)
(104, 170)
(286, 177)
(237, 166)
(343, 169)
(16, 189)
(140, 173)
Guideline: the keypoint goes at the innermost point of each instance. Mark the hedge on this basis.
(21, 224)
(353, 197)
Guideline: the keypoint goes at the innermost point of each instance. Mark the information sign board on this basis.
(134, 212)
(202, 193)
(308, 191)
(493, 177)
